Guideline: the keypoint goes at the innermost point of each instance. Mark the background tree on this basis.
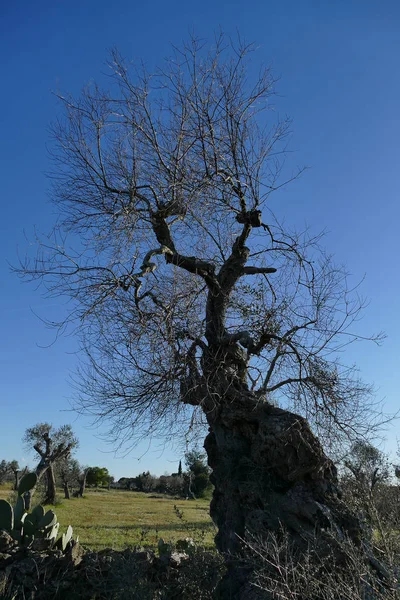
(370, 490)
(10, 469)
(145, 482)
(192, 301)
(369, 470)
(125, 482)
(16, 471)
(84, 471)
(52, 445)
(173, 484)
(98, 476)
(4, 471)
(368, 465)
(199, 473)
(68, 473)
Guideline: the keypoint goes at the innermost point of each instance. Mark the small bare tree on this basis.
(82, 482)
(52, 445)
(16, 471)
(68, 473)
(368, 466)
(191, 299)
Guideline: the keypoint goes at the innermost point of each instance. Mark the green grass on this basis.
(5, 491)
(118, 519)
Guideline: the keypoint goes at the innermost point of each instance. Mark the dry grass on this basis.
(118, 519)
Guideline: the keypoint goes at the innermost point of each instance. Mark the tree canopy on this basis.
(368, 465)
(198, 472)
(53, 445)
(168, 247)
(98, 476)
(192, 300)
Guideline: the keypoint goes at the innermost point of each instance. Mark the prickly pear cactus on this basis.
(164, 548)
(66, 539)
(25, 527)
(186, 545)
(27, 483)
(6, 516)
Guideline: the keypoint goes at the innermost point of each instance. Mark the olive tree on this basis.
(366, 481)
(82, 481)
(68, 474)
(368, 465)
(17, 472)
(192, 301)
(5, 470)
(98, 476)
(52, 445)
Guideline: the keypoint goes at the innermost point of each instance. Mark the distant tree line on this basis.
(57, 467)
(192, 483)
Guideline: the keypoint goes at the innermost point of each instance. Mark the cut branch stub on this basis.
(250, 270)
(251, 217)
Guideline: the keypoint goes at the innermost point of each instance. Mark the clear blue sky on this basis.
(338, 64)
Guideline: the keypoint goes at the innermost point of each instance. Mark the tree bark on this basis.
(51, 492)
(82, 484)
(16, 480)
(269, 473)
(189, 492)
(67, 494)
(40, 471)
(49, 456)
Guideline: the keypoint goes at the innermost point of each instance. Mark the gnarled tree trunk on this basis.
(67, 493)
(51, 492)
(270, 473)
(49, 454)
(16, 479)
(82, 483)
(40, 472)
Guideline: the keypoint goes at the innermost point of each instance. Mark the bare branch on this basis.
(164, 180)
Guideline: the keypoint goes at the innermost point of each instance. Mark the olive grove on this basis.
(193, 304)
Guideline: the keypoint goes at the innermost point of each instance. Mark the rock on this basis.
(40, 545)
(186, 545)
(6, 542)
(4, 557)
(24, 571)
(144, 556)
(74, 554)
(176, 559)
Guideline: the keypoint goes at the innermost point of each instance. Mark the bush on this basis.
(280, 572)
(198, 474)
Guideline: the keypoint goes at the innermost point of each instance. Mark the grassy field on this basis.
(118, 519)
